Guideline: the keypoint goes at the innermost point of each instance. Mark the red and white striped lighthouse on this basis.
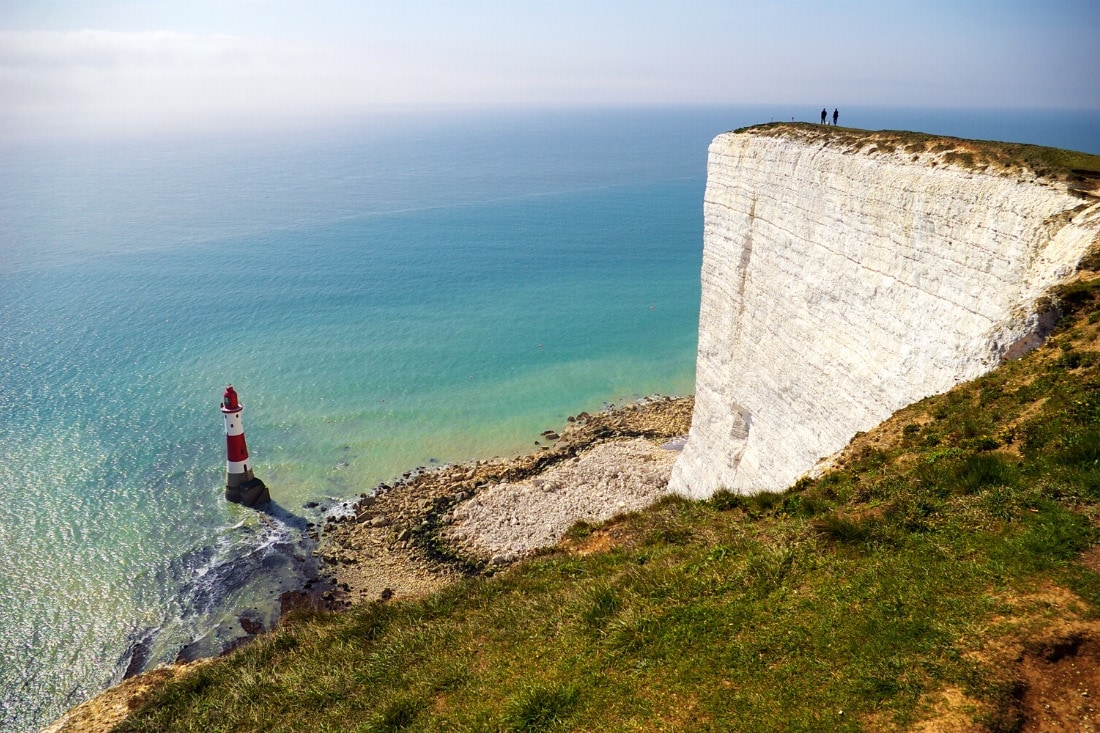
(241, 486)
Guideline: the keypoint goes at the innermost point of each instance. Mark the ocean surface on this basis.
(385, 293)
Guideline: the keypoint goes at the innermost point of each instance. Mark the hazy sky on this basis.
(80, 66)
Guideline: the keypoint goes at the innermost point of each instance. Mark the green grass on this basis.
(1054, 163)
(843, 604)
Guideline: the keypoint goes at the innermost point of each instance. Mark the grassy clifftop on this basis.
(944, 576)
(1079, 171)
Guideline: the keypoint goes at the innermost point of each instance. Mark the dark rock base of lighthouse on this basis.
(252, 492)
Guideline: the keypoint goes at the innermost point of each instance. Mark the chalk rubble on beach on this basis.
(513, 519)
(434, 526)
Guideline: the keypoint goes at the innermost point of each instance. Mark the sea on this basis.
(400, 290)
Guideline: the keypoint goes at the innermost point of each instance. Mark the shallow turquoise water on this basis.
(384, 295)
(381, 298)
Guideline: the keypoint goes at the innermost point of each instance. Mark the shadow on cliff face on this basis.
(1046, 318)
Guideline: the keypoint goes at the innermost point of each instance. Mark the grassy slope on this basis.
(944, 541)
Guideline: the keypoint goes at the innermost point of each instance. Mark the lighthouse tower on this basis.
(241, 486)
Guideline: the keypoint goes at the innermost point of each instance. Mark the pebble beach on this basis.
(436, 526)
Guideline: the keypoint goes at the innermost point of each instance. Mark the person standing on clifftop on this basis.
(836, 114)
(824, 114)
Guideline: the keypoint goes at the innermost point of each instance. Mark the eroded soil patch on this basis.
(1061, 684)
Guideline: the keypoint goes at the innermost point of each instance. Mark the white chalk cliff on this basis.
(843, 280)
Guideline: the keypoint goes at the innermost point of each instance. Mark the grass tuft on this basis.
(602, 604)
(398, 715)
(842, 530)
(541, 707)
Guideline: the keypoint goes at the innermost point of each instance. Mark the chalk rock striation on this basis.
(842, 281)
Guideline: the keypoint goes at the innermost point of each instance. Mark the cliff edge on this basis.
(847, 274)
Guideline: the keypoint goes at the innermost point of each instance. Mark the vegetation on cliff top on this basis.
(1081, 171)
(950, 556)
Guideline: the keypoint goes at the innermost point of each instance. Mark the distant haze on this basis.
(118, 67)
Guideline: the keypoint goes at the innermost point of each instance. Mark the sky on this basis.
(87, 67)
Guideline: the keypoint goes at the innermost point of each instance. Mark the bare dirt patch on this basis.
(604, 539)
(952, 711)
(1060, 678)
(1091, 558)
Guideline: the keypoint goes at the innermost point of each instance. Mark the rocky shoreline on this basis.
(436, 526)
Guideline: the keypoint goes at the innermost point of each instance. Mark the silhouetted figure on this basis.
(824, 114)
(835, 115)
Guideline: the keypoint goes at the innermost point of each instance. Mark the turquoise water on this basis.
(393, 293)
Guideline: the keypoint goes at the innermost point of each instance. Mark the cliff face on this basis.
(842, 280)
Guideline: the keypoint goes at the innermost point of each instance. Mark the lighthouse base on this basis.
(250, 493)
